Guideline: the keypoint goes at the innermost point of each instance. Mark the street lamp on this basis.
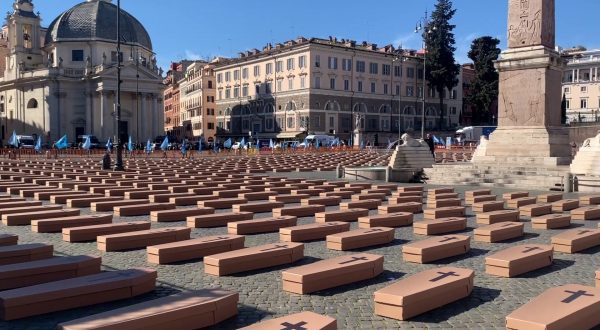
(119, 161)
(424, 27)
(400, 59)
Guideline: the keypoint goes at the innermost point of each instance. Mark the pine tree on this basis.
(563, 110)
(484, 88)
(442, 69)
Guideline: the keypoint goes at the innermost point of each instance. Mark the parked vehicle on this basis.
(94, 143)
(26, 141)
(473, 133)
(324, 140)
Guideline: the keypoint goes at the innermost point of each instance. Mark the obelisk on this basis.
(529, 114)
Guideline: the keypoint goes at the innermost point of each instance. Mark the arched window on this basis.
(32, 104)
(269, 108)
(332, 106)
(360, 107)
(384, 109)
(431, 111)
(290, 106)
(409, 111)
(228, 112)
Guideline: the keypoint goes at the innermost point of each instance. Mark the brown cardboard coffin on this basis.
(141, 209)
(589, 200)
(75, 292)
(445, 203)
(142, 239)
(479, 199)
(405, 199)
(499, 232)
(362, 197)
(349, 215)
(8, 239)
(370, 204)
(12, 254)
(303, 320)
(258, 195)
(440, 191)
(299, 211)
(412, 207)
(326, 201)
(411, 188)
(535, 210)
(515, 195)
(478, 192)
(23, 274)
(19, 204)
(217, 219)
(62, 199)
(392, 220)
(565, 205)
(551, 221)
(586, 213)
(90, 233)
(423, 292)
(258, 207)
(56, 225)
(14, 210)
(360, 238)
(490, 218)
(519, 202)
(108, 206)
(289, 198)
(259, 226)
(179, 214)
(571, 306)
(231, 193)
(186, 310)
(222, 203)
(331, 273)
(433, 198)
(307, 191)
(87, 201)
(549, 198)
(408, 194)
(576, 240)
(519, 260)
(341, 194)
(444, 212)
(23, 219)
(436, 248)
(312, 231)
(253, 258)
(487, 206)
(193, 248)
(191, 200)
(440, 226)
(165, 198)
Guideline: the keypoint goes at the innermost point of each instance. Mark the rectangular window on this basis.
(269, 123)
(290, 122)
(302, 61)
(419, 91)
(567, 90)
(269, 68)
(584, 103)
(279, 66)
(236, 75)
(385, 89)
(210, 84)
(583, 89)
(113, 57)
(257, 89)
(257, 70)
(410, 91)
(317, 82)
(77, 55)
(410, 72)
(245, 73)
(397, 71)
(420, 74)
(346, 64)
(331, 121)
(220, 78)
(245, 91)
(373, 68)
(360, 66)
(268, 88)
(386, 69)
(290, 83)
(290, 64)
(228, 93)
(303, 82)
(317, 61)
(220, 94)
(227, 76)
(211, 125)
(332, 63)
(373, 89)
(346, 84)
(332, 83)
(568, 104)
(279, 85)
(397, 89)
(360, 86)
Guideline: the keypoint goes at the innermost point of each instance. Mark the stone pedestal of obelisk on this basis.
(529, 115)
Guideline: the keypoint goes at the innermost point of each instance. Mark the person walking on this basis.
(429, 141)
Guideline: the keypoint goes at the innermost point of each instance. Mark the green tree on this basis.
(442, 69)
(484, 87)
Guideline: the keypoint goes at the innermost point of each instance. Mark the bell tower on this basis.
(24, 37)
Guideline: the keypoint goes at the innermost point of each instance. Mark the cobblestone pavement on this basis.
(261, 295)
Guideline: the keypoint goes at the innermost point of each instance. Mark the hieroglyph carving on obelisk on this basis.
(531, 23)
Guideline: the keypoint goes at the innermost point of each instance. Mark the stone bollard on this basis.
(388, 174)
(339, 171)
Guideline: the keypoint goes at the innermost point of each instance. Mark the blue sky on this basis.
(206, 28)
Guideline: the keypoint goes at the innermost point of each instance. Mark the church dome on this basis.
(97, 20)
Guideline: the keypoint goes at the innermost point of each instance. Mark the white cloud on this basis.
(409, 40)
(191, 55)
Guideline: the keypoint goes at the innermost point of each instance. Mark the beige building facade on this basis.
(197, 107)
(581, 85)
(322, 86)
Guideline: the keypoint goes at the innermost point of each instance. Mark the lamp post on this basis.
(424, 27)
(119, 161)
(400, 59)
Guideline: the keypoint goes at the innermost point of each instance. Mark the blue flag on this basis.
(271, 144)
(129, 145)
(109, 145)
(148, 146)
(243, 143)
(227, 144)
(62, 143)
(318, 144)
(165, 144)
(184, 148)
(13, 140)
(362, 144)
(257, 144)
(38, 144)
(87, 144)
(305, 143)
(200, 145)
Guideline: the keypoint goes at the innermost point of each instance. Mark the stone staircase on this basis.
(509, 176)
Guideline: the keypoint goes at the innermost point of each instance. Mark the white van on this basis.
(324, 140)
(26, 141)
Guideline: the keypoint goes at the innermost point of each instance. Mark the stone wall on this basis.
(582, 133)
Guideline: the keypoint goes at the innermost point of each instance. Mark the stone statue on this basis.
(104, 58)
(88, 61)
(357, 122)
(408, 141)
(60, 62)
